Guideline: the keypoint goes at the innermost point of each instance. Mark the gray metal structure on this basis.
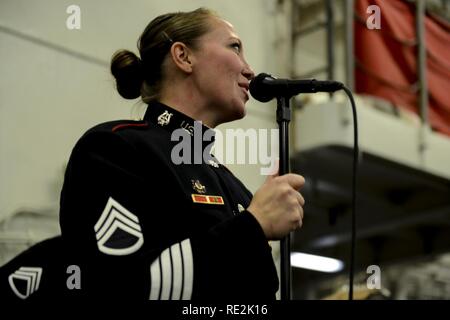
(404, 210)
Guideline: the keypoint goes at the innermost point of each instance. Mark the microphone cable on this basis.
(354, 173)
(264, 88)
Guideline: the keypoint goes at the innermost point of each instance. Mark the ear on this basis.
(182, 56)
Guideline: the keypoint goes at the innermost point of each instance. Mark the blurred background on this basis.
(394, 55)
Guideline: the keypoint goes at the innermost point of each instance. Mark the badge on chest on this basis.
(201, 197)
(206, 199)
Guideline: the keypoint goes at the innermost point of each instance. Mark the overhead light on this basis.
(317, 263)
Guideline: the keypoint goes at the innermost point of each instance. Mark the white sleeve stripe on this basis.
(155, 280)
(186, 250)
(171, 274)
(166, 275)
(161, 278)
(182, 270)
(177, 272)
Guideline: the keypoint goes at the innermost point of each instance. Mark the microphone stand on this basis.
(283, 119)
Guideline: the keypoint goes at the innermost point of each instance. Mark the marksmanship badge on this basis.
(197, 186)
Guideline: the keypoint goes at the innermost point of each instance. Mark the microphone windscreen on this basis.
(258, 90)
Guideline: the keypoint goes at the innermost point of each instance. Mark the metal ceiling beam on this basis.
(369, 229)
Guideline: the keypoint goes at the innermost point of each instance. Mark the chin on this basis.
(237, 112)
(243, 113)
(240, 110)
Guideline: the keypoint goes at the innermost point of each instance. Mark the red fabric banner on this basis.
(386, 59)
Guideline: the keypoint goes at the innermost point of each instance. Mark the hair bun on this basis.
(126, 68)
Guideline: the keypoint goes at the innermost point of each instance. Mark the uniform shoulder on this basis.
(106, 133)
(124, 129)
(127, 143)
(118, 126)
(122, 133)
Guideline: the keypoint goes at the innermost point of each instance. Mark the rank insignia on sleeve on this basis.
(25, 280)
(197, 186)
(118, 231)
(200, 198)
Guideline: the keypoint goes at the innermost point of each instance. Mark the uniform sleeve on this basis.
(117, 227)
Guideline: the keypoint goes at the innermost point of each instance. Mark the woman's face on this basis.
(221, 73)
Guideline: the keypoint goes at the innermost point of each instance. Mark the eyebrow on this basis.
(237, 39)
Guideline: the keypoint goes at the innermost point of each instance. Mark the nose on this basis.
(247, 72)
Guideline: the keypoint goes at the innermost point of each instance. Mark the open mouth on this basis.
(245, 88)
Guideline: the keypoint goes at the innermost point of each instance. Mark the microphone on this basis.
(264, 87)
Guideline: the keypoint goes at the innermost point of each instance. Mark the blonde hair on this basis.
(142, 76)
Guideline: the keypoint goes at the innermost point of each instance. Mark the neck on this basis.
(185, 99)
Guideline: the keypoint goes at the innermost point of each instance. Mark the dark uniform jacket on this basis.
(144, 217)
(142, 225)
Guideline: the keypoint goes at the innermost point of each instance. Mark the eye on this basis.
(236, 46)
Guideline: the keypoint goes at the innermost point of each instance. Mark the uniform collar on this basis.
(170, 120)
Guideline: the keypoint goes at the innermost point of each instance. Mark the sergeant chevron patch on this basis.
(118, 231)
(30, 278)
